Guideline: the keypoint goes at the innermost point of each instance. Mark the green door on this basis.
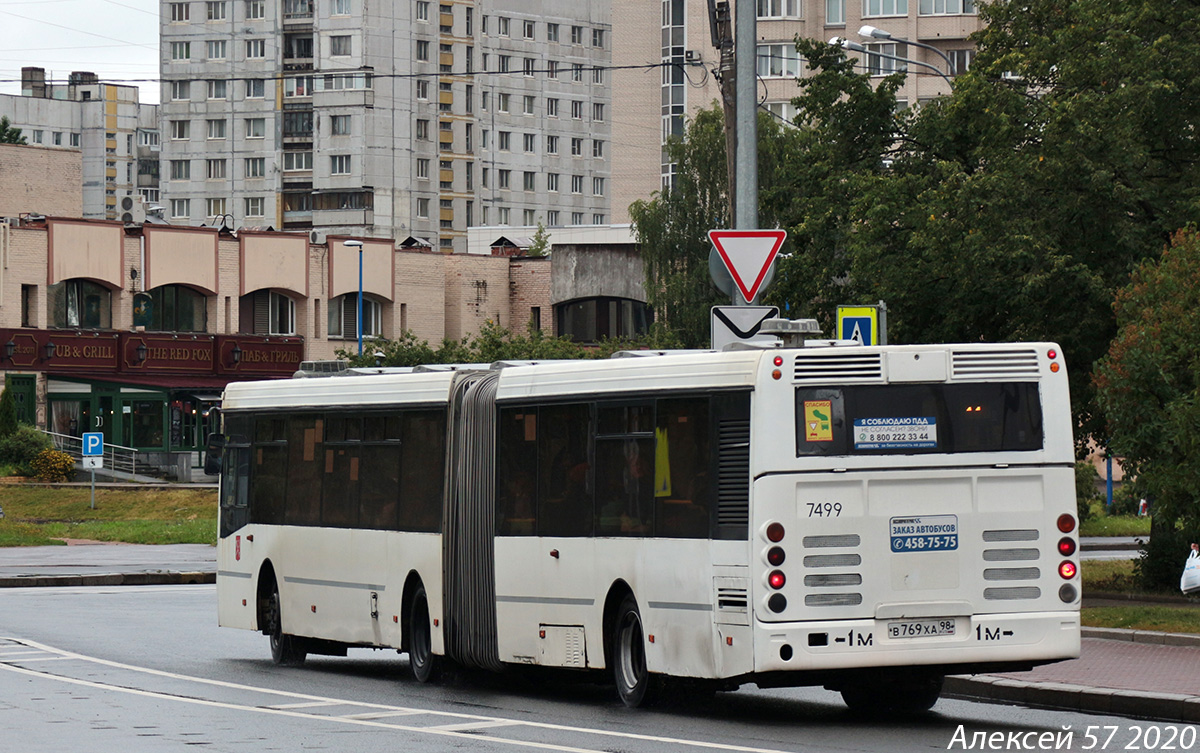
(24, 387)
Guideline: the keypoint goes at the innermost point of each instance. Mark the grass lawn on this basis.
(1115, 525)
(1165, 619)
(36, 516)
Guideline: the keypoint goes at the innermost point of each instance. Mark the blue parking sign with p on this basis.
(93, 443)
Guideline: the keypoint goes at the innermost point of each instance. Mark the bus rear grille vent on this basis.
(819, 542)
(838, 367)
(1010, 555)
(832, 560)
(827, 581)
(1011, 573)
(733, 473)
(1012, 593)
(1028, 534)
(832, 600)
(732, 600)
(974, 364)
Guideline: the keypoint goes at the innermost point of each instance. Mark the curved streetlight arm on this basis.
(877, 33)
(856, 47)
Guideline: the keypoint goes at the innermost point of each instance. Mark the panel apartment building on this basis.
(408, 119)
(655, 102)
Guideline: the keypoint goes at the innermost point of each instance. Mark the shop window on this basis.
(80, 303)
(266, 312)
(176, 308)
(144, 423)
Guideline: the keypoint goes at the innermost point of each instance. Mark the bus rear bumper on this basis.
(1017, 639)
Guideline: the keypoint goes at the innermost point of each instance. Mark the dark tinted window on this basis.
(268, 480)
(422, 469)
(339, 500)
(516, 465)
(564, 478)
(918, 419)
(305, 460)
(379, 500)
(681, 468)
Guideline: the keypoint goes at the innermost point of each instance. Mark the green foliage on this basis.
(541, 242)
(1102, 524)
(8, 412)
(492, 343)
(53, 466)
(8, 134)
(1085, 488)
(22, 446)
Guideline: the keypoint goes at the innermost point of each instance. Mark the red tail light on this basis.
(776, 556)
(1066, 522)
(776, 579)
(775, 533)
(1067, 570)
(1066, 547)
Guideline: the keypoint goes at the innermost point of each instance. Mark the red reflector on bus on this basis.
(1052, 354)
(776, 556)
(729, 640)
(1066, 523)
(776, 579)
(776, 374)
(1067, 570)
(1066, 547)
(778, 360)
(775, 532)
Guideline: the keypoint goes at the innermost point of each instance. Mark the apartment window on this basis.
(779, 8)
(181, 50)
(181, 90)
(484, 214)
(502, 26)
(529, 67)
(256, 10)
(505, 141)
(470, 24)
(529, 181)
(552, 107)
(298, 86)
(597, 148)
(946, 7)
(339, 125)
(483, 101)
(214, 207)
(256, 48)
(423, 130)
(342, 7)
(577, 72)
(217, 89)
(504, 63)
(597, 112)
(486, 183)
(529, 29)
(881, 58)
(75, 136)
(502, 102)
(597, 219)
(576, 218)
(551, 145)
(180, 130)
(597, 75)
(469, 58)
(885, 8)
(181, 12)
(214, 169)
(339, 164)
(529, 217)
(181, 169)
(530, 142)
(215, 10)
(423, 169)
(256, 167)
(551, 32)
(597, 37)
(216, 129)
(469, 99)
(423, 11)
(576, 184)
(552, 217)
(552, 69)
(57, 138)
(576, 110)
(503, 178)
(423, 50)
(469, 138)
(255, 88)
(576, 147)
(297, 161)
(256, 128)
(961, 59)
(597, 186)
(470, 169)
(504, 213)
(576, 35)
(422, 89)
(835, 12)
(255, 206)
(423, 207)
(778, 61)
(181, 208)
(216, 49)
(339, 46)
(528, 104)
(552, 182)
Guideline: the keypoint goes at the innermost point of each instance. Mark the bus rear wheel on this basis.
(286, 650)
(421, 661)
(895, 695)
(635, 686)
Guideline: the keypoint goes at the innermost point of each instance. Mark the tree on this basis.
(8, 411)
(541, 242)
(1149, 389)
(8, 134)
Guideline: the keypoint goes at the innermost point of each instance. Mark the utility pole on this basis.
(721, 29)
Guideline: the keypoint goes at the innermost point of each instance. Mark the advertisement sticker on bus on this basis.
(926, 533)
(817, 426)
(895, 433)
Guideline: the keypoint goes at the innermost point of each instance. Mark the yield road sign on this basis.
(732, 324)
(748, 255)
(93, 443)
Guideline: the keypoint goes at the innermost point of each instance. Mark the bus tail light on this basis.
(776, 556)
(775, 533)
(776, 579)
(1067, 570)
(1066, 546)
(777, 603)
(1066, 522)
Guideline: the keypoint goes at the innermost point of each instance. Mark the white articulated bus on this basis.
(868, 519)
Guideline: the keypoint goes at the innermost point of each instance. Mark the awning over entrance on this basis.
(210, 384)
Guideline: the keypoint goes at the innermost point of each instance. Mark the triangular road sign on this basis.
(748, 255)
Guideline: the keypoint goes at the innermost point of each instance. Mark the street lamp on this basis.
(846, 44)
(359, 246)
(877, 33)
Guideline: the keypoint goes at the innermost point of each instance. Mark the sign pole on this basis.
(93, 488)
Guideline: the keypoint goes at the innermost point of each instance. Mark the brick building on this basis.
(42, 180)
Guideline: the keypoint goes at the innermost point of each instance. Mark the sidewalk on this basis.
(1123, 672)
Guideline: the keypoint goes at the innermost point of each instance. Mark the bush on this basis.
(1085, 489)
(22, 446)
(53, 466)
(8, 410)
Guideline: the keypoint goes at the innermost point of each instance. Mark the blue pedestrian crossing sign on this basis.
(93, 443)
(863, 324)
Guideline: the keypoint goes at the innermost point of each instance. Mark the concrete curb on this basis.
(1163, 707)
(109, 579)
(1143, 636)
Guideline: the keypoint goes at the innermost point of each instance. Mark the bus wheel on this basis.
(895, 696)
(635, 686)
(421, 661)
(286, 650)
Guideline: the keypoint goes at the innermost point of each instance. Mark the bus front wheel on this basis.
(635, 685)
(421, 661)
(906, 695)
(286, 650)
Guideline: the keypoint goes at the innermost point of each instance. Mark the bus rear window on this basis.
(912, 419)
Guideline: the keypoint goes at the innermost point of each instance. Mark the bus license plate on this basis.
(920, 628)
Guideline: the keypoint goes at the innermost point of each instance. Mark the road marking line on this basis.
(38, 658)
(476, 725)
(305, 705)
(379, 714)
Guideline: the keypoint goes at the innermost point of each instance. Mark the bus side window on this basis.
(516, 499)
(681, 462)
(564, 473)
(422, 470)
(268, 477)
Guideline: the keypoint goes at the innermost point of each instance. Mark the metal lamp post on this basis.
(876, 33)
(847, 44)
(359, 246)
